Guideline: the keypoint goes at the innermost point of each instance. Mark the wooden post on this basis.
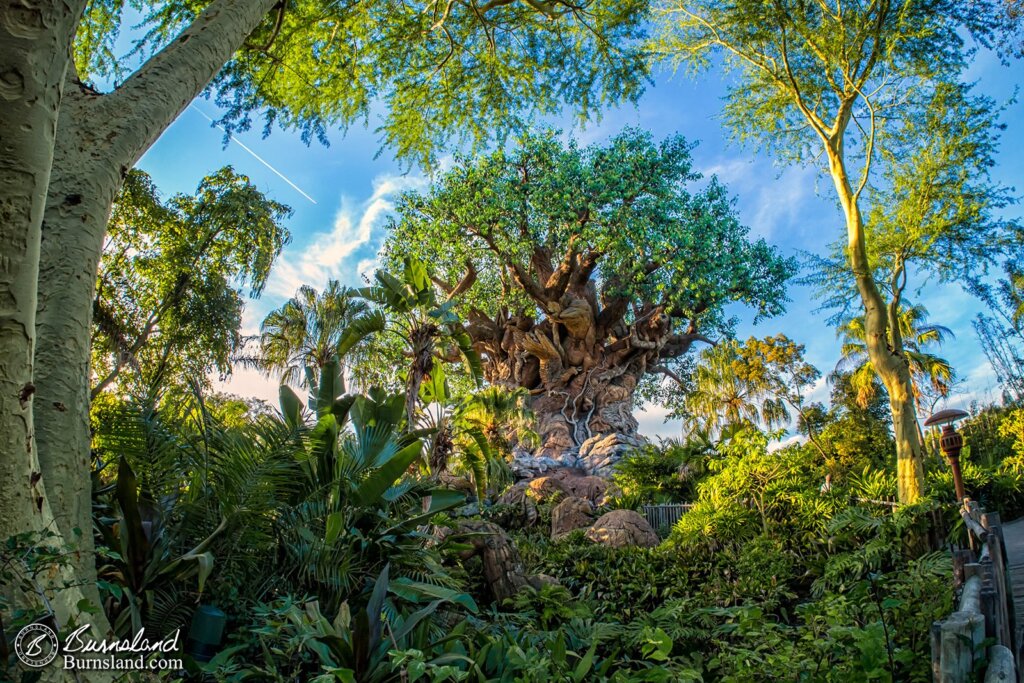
(970, 597)
(961, 557)
(961, 632)
(1001, 667)
(989, 611)
(936, 637)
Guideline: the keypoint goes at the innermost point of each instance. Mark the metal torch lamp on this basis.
(951, 443)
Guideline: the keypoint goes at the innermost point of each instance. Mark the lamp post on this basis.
(951, 443)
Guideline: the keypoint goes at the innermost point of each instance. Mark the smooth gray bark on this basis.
(35, 53)
(65, 151)
(99, 138)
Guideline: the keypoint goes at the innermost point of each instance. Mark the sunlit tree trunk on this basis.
(884, 347)
(35, 55)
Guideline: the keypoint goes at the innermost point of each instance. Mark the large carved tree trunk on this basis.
(581, 363)
(586, 405)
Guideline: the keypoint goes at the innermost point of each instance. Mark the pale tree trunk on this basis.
(35, 54)
(71, 157)
(885, 352)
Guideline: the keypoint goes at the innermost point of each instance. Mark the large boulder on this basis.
(546, 488)
(520, 506)
(621, 528)
(457, 483)
(598, 455)
(571, 514)
(595, 489)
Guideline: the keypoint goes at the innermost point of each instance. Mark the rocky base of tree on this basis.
(597, 456)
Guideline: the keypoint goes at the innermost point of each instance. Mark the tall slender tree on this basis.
(927, 370)
(873, 92)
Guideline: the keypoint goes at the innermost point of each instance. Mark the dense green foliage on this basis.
(770, 575)
(631, 206)
(442, 71)
(172, 280)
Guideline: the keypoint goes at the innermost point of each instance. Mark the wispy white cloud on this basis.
(770, 201)
(653, 425)
(366, 268)
(329, 255)
(982, 387)
(820, 391)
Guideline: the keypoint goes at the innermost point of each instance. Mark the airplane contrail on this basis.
(254, 154)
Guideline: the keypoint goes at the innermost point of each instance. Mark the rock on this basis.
(514, 494)
(503, 566)
(599, 454)
(516, 500)
(568, 459)
(545, 488)
(457, 483)
(529, 466)
(538, 581)
(621, 528)
(526, 465)
(569, 515)
(595, 489)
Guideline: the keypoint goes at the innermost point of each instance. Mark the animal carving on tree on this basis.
(589, 270)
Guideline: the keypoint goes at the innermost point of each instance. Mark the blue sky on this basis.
(342, 194)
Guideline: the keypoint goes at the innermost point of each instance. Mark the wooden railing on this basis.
(662, 517)
(984, 614)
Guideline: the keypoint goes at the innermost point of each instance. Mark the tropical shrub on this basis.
(291, 639)
(752, 491)
(666, 472)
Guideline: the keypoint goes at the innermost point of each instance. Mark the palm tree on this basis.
(298, 339)
(928, 372)
(503, 416)
(409, 307)
(479, 430)
(725, 396)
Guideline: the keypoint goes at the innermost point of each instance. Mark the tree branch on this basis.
(156, 94)
(678, 344)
